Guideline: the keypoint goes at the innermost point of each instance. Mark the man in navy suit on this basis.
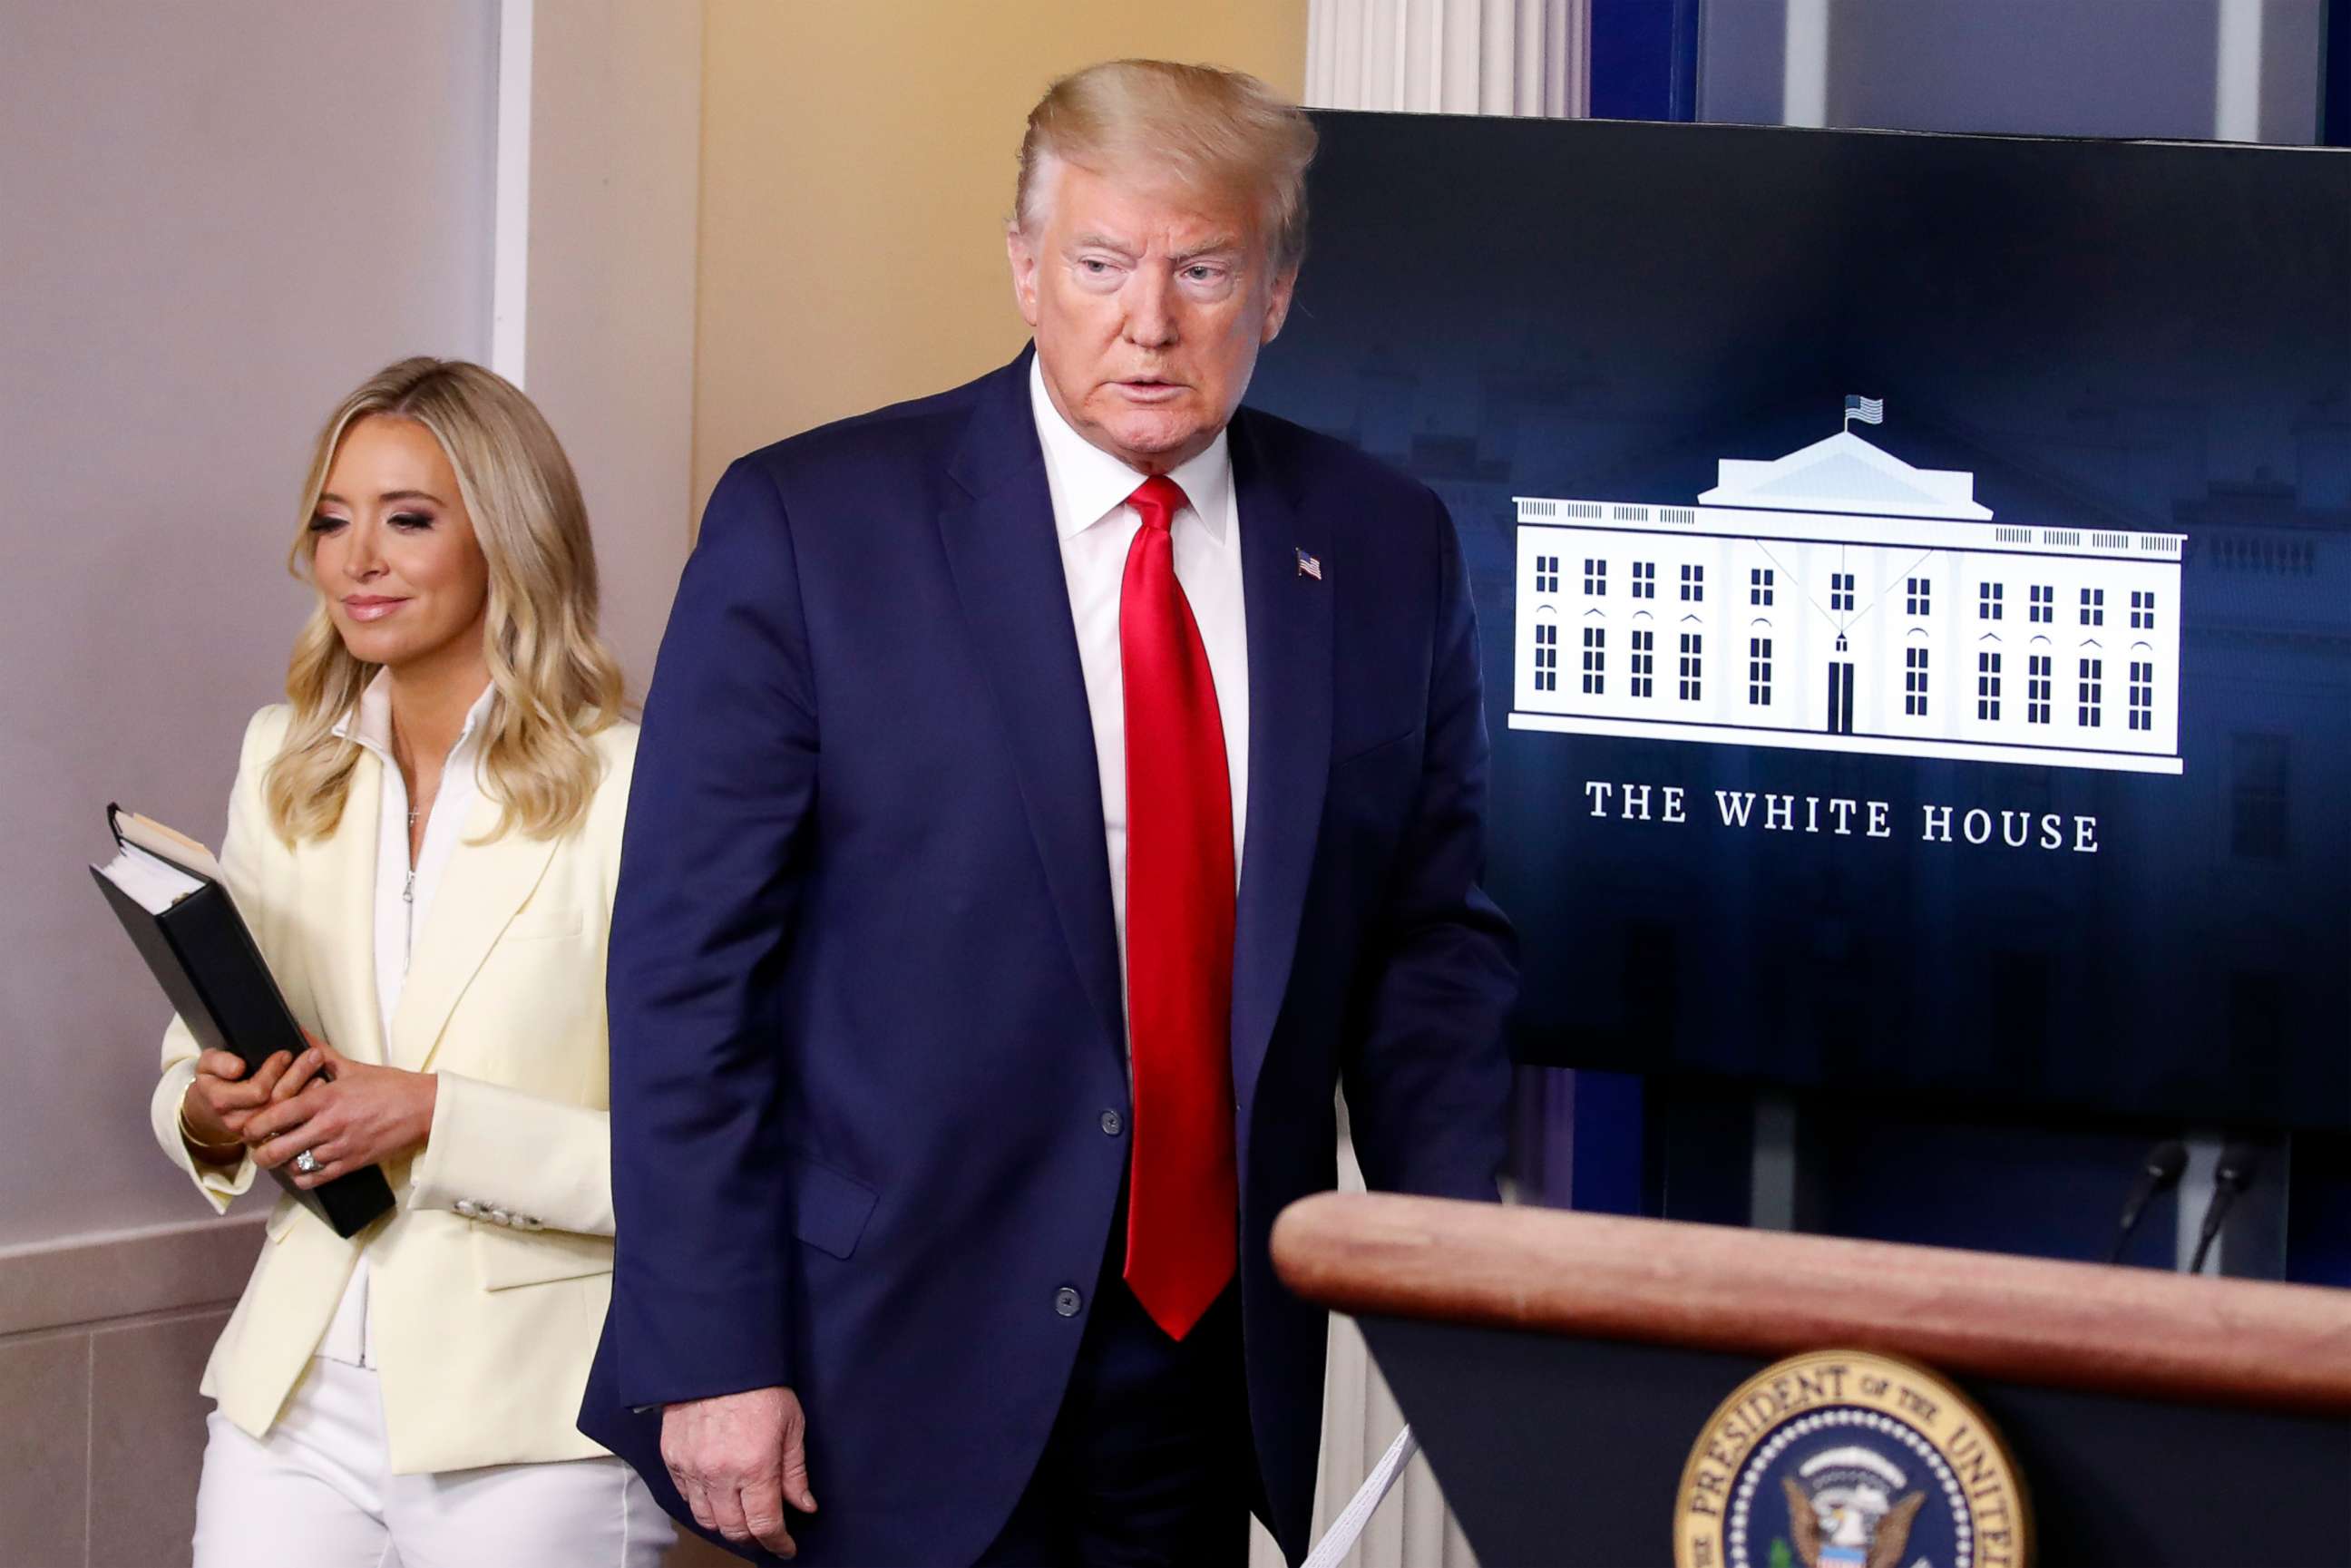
(1049, 792)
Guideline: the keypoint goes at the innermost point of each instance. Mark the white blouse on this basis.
(403, 897)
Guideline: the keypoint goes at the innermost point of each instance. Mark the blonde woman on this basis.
(424, 839)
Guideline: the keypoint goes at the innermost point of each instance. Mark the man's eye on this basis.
(1095, 265)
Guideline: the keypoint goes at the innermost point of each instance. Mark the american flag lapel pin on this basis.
(1308, 567)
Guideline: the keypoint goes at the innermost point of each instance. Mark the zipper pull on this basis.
(408, 893)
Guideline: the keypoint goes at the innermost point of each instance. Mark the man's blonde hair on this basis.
(557, 683)
(1214, 130)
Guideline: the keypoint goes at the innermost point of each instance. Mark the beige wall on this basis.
(857, 165)
(615, 138)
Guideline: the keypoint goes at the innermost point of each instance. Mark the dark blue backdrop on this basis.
(2107, 335)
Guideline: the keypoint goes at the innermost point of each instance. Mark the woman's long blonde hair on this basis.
(557, 683)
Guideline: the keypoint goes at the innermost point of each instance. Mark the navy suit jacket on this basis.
(864, 983)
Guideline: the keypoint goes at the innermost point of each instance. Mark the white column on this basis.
(1804, 82)
(1521, 57)
(1412, 1529)
(510, 218)
(2237, 72)
(1451, 56)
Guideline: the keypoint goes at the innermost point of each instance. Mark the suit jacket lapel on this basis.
(481, 887)
(1006, 560)
(1290, 737)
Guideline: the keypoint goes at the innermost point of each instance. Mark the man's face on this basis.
(1149, 302)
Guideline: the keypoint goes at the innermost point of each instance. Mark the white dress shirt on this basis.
(403, 895)
(1096, 526)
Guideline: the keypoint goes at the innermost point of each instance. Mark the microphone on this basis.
(2158, 1173)
(2240, 1162)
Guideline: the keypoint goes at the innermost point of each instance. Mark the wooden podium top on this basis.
(1767, 1293)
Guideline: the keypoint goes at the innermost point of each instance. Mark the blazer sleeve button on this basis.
(469, 1209)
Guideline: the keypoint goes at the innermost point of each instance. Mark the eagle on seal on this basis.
(1884, 1543)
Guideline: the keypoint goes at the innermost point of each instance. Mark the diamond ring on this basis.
(306, 1162)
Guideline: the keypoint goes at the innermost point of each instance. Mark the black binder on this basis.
(207, 964)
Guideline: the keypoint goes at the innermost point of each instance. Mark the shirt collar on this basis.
(1089, 485)
(369, 723)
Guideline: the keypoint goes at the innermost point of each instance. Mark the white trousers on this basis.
(319, 1491)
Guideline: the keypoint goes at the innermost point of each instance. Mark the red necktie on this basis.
(1183, 1196)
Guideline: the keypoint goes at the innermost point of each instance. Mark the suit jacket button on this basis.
(1113, 1122)
(1067, 1302)
(469, 1209)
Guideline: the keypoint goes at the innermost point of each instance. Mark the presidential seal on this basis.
(1846, 1459)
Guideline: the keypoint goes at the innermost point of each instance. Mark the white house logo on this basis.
(1840, 600)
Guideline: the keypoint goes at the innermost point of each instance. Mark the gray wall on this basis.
(2049, 67)
(221, 217)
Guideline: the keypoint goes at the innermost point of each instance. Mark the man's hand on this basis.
(736, 1458)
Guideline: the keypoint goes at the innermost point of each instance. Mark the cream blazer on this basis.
(489, 1280)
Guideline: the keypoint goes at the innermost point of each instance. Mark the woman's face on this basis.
(405, 581)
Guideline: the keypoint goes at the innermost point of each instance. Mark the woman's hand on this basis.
(222, 1101)
(361, 1116)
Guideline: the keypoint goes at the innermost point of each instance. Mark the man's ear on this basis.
(1277, 305)
(1023, 257)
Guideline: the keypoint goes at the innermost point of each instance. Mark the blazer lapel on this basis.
(1006, 560)
(481, 887)
(1289, 738)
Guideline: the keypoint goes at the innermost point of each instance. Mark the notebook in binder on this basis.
(166, 889)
